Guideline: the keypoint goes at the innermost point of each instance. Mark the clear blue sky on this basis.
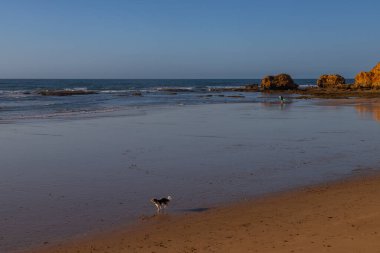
(187, 38)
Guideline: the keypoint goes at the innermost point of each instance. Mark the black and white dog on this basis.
(161, 203)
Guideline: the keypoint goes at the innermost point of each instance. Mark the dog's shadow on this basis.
(195, 210)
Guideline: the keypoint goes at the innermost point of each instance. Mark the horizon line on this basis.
(305, 78)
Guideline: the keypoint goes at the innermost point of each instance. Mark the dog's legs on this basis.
(158, 208)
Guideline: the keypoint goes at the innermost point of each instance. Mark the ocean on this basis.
(22, 98)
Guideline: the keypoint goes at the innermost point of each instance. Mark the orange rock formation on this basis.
(330, 81)
(369, 79)
(279, 82)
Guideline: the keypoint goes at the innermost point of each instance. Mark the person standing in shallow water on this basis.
(282, 99)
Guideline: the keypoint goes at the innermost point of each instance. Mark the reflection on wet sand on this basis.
(275, 105)
(369, 111)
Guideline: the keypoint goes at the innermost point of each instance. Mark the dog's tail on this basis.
(169, 198)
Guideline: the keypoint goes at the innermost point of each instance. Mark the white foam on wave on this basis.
(15, 93)
(113, 91)
(175, 88)
(76, 89)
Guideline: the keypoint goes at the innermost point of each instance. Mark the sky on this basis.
(187, 38)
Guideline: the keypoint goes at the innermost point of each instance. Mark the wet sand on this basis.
(66, 178)
(336, 217)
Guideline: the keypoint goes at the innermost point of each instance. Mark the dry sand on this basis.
(336, 217)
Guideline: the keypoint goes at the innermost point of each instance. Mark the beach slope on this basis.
(336, 217)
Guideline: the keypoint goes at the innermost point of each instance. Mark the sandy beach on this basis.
(88, 176)
(342, 216)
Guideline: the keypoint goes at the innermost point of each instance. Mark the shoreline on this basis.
(335, 98)
(249, 93)
(338, 216)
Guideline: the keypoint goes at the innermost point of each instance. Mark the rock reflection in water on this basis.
(369, 111)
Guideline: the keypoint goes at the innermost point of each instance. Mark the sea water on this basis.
(22, 99)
